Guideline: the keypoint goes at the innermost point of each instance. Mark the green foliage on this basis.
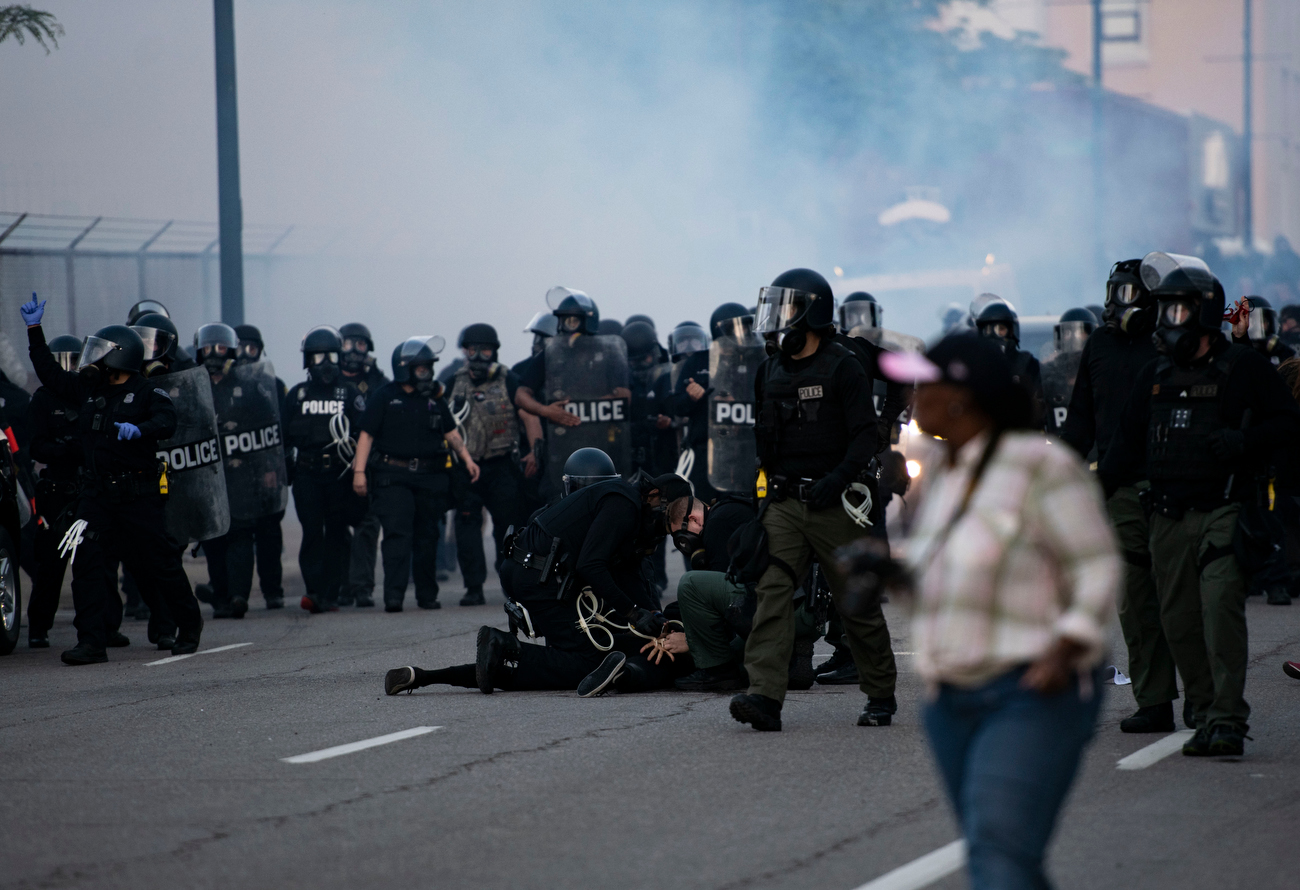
(20, 21)
(849, 75)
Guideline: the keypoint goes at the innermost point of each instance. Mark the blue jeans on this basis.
(1008, 756)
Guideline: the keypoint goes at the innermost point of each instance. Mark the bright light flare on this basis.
(913, 468)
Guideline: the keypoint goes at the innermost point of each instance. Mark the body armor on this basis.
(1185, 410)
(799, 415)
(492, 427)
(570, 520)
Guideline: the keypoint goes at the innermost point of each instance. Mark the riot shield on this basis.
(584, 370)
(890, 341)
(733, 452)
(197, 508)
(248, 420)
(1059, 373)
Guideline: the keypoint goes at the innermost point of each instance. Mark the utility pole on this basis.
(1098, 146)
(1247, 136)
(231, 212)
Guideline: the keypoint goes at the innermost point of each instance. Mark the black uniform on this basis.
(1026, 371)
(609, 562)
(1111, 362)
(410, 484)
(694, 367)
(322, 486)
(56, 444)
(268, 542)
(365, 535)
(120, 500)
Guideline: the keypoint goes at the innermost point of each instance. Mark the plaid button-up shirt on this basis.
(1032, 559)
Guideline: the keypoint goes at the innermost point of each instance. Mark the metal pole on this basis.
(1247, 137)
(69, 271)
(1098, 148)
(230, 208)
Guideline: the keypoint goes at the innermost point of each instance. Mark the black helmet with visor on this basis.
(145, 307)
(67, 351)
(575, 312)
(116, 346)
(860, 310)
(158, 333)
(686, 339)
(1073, 330)
(587, 466)
(1189, 301)
(413, 361)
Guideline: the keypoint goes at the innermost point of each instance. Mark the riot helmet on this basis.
(116, 347)
(860, 310)
(641, 318)
(611, 327)
(686, 339)
(978, 304)
(542, 327)
(1189, 301)
(217, 347)
(67, 351)
(145, 307)
(480, 344)
(320, 353)
(998, 320)
(357, 346)
(251, 346)
(796, 302)
(1073, 330)
(1129, 305)
(587, 466)
(575, 312)
(413, 361)
(731, 320)
(955, 318)
(1261, 324)
(642, 347)
(158, 333)
(1098, 312)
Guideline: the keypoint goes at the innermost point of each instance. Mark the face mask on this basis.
(426, 387)
(478, 368)
(353, 362)
(92, 374)
(218, 364)
(325, 372)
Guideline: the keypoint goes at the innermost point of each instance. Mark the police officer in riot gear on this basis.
(483, 401)
(146, 307)
(654, 440)
(688, 347)
(158, 333)
(319, 418)
(542, 327)
(1069, 336)
(998, 320)
(594, 538)
(1111, 360)
(860, 310)
(1204, 419)
(817, 433)
(1256, 326)
(357, 362)
(268, 538)
(587, 466)
(122, 418)
(407, 439)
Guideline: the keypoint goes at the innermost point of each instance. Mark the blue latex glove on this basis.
(32, 311)
(127, 431)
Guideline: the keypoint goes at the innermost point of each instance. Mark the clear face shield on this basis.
(1000, 330)
(1262, 325)
(93, 350)
(1072, 335)
(67, 360)
(859, 314)
(740, 328)
(156, 341)
(779, 308)
(685, 341)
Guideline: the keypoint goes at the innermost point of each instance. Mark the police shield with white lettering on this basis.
(252, 444)
(585, 370)
(734, 357)
(1060, 364)
(197, 508)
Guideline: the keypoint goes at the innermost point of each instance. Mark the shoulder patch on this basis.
(359, 402)
(130, 397)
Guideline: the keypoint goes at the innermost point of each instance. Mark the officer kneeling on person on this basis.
(576, 564)
(1204, 418)
(817, 434)
(120, 514)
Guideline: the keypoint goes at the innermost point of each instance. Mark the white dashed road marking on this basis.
(172, 658)
(922, 872)
(1156, 751)
(352, 747)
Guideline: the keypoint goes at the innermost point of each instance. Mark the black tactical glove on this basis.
(643, 621)
(826, 493)
(1227, 444)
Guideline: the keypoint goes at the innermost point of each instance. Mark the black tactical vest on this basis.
(801, 413)
(570, 520)
(308, 410)
(1186, 407)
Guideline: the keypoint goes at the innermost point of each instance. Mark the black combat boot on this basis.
(801, 674)
(118, 640)
(1153, 718)
(759, 711)
(85, 653)
(473, 596)
(878, 711)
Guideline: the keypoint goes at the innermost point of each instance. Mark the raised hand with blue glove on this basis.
(127, 431)
(32, 311)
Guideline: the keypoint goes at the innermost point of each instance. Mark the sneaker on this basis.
(602, 677)
(364, 601)
(1227, 741)
(495, 651)
(878, 711)
(759, 711)
(1153, 718)
(274, 602)
(1277, 596)
(238, 607)
(118, 640)
(1291, 669)
(846, 675)
(38, 642)
(723, 678)
(473, 597)
(1199, 744)
(801, 674)
(84, 653)
(399, 680)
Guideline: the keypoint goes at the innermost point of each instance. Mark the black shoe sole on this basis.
(238, 608)
(399, 680)
(274, 604)
(602, 677)
(165, 644)
(1291, 672)
(1137, 727)
(433, 605)
(743, 711)
(392, 607)
(838, 679)
(38, 644)
(482, 660)
(79, 661)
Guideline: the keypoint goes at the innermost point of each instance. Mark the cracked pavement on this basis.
(127, 775)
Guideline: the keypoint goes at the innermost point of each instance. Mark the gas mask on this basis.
(787, 343)
(218, 364)
(92, 374)
(1178, 333)
(423, 380)
(352, 361)
(479, 360)
(690, 544)
(1128, 309)
(324, 372)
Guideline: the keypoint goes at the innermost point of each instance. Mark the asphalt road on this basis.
(134, 774)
